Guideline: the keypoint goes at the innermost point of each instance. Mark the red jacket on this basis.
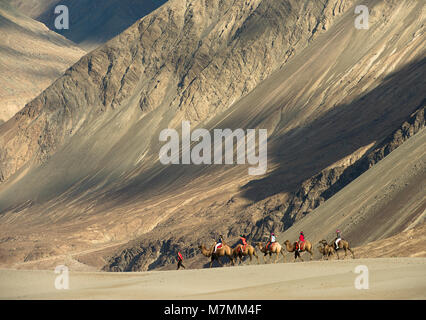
(180, 256)
(302, 238)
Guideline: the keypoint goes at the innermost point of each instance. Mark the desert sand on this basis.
(389, 278)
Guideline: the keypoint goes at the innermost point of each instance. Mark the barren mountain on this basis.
(31, 58)
(91, 22)
(79, 165)
(409, 243)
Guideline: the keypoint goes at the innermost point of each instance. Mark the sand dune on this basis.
(398, 278)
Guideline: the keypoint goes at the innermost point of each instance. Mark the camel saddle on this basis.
(270, 246)
(300, 244)
(242, 248)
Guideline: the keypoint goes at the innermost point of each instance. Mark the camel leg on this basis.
(312, 254)
(297, 254)
(220, 263)
(352, 252)
(276, 257)
(282, 252)
(232, 260)
(257, 257)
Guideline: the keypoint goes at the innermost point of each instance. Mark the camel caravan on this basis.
(220, 249)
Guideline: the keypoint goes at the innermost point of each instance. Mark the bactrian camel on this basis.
(272, 248)
(343, 244)
(225, 250)
(326, 250)
(249, 251)
(306, 247)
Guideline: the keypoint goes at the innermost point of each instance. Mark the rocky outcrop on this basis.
(328, 182)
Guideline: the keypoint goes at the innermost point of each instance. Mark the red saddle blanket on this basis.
(270, 246)
(301, 245)
(242, 248)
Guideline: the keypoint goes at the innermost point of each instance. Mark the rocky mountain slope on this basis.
(83, 156)
(31, 58)
(382, 202)
(409, 243)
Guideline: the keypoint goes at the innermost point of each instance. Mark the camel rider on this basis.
(272, 240)
(218, 244)
(301, 240)
(243, 239)
(338, 238)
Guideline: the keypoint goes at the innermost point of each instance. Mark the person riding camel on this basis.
(338, 238)
(243, 239)
(272, 240)
(218, 244)
(301, 240)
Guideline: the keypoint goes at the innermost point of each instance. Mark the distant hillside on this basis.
(31, 58)
(91, 22)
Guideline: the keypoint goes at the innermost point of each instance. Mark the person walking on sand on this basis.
(180, 260)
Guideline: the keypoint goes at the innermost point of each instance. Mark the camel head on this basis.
(204, 251)
(323, 242)
(287, 242)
